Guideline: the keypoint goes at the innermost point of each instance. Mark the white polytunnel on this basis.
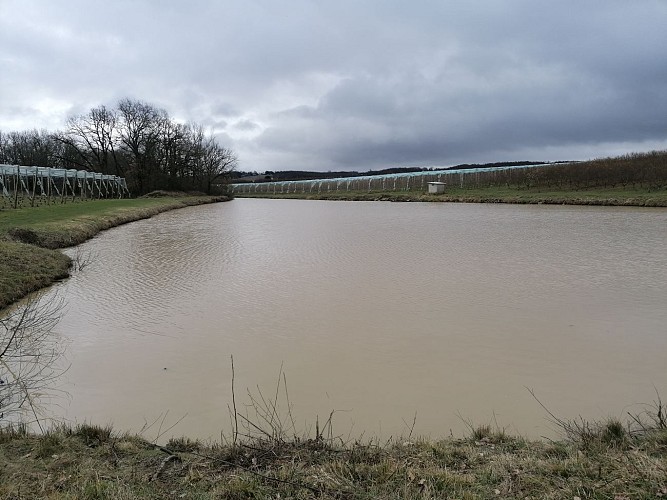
(34, 185)
(410, 181)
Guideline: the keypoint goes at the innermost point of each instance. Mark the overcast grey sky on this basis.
(353, 84)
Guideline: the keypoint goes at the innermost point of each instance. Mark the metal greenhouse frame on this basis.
(37, 185)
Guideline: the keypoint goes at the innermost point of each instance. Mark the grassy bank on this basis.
(29, 236)
(93, 462)
(606, 197)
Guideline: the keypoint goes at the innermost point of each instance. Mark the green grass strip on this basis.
(604, 197)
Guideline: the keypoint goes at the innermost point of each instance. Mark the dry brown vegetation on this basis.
(95, 462)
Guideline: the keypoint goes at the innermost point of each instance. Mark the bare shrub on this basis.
(28, 354)
(82, 259)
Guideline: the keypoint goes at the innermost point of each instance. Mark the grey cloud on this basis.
(421, 122)
(216, 125)
(352, 84)
(246, 125)
(224, 109)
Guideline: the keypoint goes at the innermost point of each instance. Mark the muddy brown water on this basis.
(436, 315)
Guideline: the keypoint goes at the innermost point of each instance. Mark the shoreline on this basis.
(624, 198)
(593, 460)
(31, 238)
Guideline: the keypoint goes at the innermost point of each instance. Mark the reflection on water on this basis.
(377, 310)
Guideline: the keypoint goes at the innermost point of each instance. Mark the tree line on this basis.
(135, 140)
(634, 170)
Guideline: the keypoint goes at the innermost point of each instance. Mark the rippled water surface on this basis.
(379, 311)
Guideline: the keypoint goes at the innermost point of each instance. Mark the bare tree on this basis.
(174, 154)
(215, 162)
(135, 140)
(210, 161)
(29, 351)
(93, 138)
(29, 147)
(3, 146)
(140, 130)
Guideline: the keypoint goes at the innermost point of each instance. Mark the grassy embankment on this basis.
(601, 462)
(607, 197)
(29, 237)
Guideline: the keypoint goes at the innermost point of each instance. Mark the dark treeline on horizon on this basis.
(303, 175)
(134, 140)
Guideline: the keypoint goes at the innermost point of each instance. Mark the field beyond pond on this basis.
(605, 197)
(637, 179)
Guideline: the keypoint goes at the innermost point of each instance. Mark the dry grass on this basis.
(26, 268)
(94, 462)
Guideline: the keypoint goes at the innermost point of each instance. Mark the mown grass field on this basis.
(46, 215)
(29, 236)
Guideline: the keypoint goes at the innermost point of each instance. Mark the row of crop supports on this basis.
(637, 170)
(414, 181)
(23, 186)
